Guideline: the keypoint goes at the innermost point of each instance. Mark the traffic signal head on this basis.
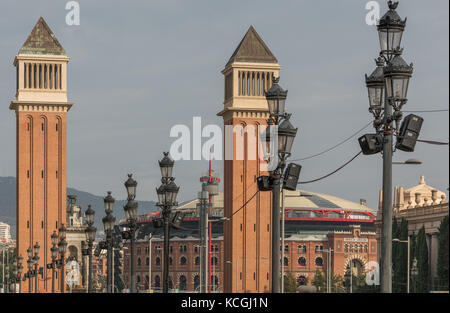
(291, 176)
(371, 143)
(409, 132)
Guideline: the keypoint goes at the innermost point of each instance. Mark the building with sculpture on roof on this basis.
(421, 205)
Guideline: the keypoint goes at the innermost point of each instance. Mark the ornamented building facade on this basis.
(420, 205)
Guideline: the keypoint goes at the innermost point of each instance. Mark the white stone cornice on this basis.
(47, 107)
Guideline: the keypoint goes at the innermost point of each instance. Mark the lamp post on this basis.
(276, 99)
(36, 265)
(54, 255)
(408, 242)
(131, 209)
(167, 196)
(62, 246)
(108, 224)
(30, 267)
(19, 271)
(90, 238)
(387, 89)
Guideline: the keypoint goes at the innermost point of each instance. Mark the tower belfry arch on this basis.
(247, 236)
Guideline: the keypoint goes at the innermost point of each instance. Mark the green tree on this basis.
(442, 262)
(400, 258)
(319, 281)
(290, 283)
(422, 261)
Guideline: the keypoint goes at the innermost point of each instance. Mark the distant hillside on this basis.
(8, 204)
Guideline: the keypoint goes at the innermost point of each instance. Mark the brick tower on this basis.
(247, 236)
(41, 106)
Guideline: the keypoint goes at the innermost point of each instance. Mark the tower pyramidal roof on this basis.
(42, 41)
(252, 49)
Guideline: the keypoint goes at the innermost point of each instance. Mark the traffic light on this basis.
(291, 176)
(409, 132)
(265, 183)
(371, 143)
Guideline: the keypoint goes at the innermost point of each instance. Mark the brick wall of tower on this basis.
(41, 185)
(247, 235)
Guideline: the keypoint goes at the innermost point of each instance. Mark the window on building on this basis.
(214, 261)
(183, 260)
(170, 260)
(196, 249)
(197, 260)
(319, 261)
(147, 261)
(286, 261)
(183, 282)
(157, 282)
(138, 250)
(158, 261)
(302, 261)
(170, 249)
(196, 283)
(365, 248)
(346, 248)
(286, 248)
(139, 262)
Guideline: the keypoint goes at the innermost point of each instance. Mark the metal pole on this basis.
(166, 251)
(62, 273)
(53, 276)
(409, 261)
(386, 232)
(90, 289)
(351, 276)
(150, 263)
(282, 240)
(7, 271)
(276, 233)
(132, 281)
(36, 277)
(109, 260)
(112, 274)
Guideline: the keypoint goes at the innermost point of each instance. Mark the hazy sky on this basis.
(139, 67)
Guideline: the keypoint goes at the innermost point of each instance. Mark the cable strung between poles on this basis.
(341, 167)
(427, 111)
(337, 145)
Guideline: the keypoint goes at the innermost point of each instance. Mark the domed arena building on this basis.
(321, 232)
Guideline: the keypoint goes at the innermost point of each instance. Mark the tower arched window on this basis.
(147, 261)
(158, 261)
(183, 260)
(286, 261)
(139, 262)
(197, 260)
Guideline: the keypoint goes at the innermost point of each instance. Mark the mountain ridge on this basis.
(8, 204)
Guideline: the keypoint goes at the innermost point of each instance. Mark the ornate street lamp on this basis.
(109, 203)
(166, 166)
(390, 30)
(130, 185)
(30, 267)
(19, 271)
(62, 247)
(36, 265)
(397, 74)
(388, 89)
(54, 254)
(276, 101)
(131, 209)
(167, 198)
(90, 231)
(108, 224)
(376, 89)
